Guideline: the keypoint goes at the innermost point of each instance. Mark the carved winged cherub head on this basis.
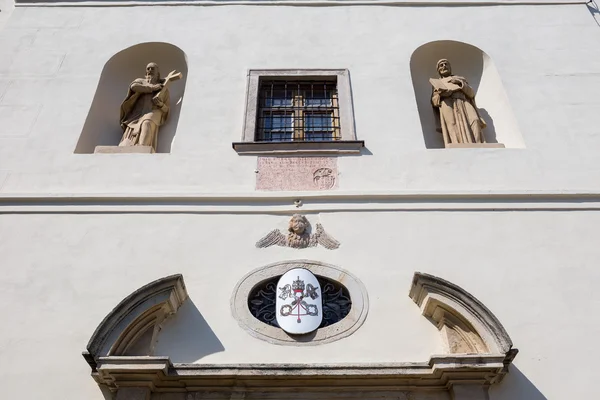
(298, 224)
(444, 68)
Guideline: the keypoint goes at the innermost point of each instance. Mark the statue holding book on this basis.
(146, 108)
(454, 102)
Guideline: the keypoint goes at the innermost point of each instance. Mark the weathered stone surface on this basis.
(469, 392)
(297, 173)
(454, 100)
(133, 394)
(474, 146)
(146, 108)
(123, 150)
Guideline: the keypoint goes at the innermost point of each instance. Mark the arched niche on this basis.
(481, 73)
(101, 126)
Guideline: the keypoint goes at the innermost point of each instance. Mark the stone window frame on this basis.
(346, 144)
(347, 326)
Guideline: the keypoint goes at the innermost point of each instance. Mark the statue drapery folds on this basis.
(145, 108)
(454, 101)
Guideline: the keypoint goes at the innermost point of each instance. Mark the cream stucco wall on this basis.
(75, 240)
(546, 57)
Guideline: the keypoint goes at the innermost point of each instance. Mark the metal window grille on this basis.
(336, 301)
(298, 111)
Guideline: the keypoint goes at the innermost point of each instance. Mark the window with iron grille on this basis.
(298, 111)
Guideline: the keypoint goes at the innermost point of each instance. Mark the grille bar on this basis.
(298, 110)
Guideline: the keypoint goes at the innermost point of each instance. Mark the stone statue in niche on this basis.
(299, 236)
(454, 102)
(146, 108)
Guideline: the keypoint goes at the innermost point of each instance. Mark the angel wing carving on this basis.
(275, 237)
(325, 240)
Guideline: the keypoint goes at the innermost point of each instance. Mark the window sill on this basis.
(321, 147)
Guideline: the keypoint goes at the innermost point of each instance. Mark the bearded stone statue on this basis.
(146, 108)
(454, 101)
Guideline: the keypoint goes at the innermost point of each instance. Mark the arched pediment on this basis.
(466, 324)
(138, 314)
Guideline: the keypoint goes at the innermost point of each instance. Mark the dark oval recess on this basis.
(336, 301)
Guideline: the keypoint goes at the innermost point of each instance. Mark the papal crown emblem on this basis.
(298, 285)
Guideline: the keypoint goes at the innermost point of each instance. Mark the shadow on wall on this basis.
(187, 337)
(515, 386)
(101, 126)
(479, 70)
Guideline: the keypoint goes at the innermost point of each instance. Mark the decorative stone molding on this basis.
(144, 309)
(469, 326)
(432, 380)
(458, 375)
(260, 330)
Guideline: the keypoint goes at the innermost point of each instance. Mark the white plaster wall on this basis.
(546, 57)
(62, 273)
(536, 271)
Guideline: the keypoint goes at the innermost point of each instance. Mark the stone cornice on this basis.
(160, 375)
(306, 3)
(310, 202)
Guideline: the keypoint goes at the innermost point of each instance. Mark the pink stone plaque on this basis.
(297, 173)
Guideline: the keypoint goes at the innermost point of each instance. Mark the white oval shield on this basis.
(299, 307)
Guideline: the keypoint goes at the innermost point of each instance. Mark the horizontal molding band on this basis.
(303, 3)
(305, 202)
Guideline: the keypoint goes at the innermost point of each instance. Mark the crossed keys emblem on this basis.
(299, 307)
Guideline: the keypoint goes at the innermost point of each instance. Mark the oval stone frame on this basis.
(271, 334)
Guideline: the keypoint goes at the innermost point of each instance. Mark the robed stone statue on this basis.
(454, 101)
(146, 108)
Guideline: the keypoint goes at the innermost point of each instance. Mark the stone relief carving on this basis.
(324, 178)
(299, 236)
(454, 102)
(146, 108)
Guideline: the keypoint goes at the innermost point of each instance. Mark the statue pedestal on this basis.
(123, 150)
(475, 146)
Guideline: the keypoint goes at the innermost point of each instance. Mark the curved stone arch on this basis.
(136, 315)
(260, 330)
(101, 127)
(466, 324)
(480, 70)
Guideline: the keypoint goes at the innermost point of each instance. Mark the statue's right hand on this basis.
(157, 87)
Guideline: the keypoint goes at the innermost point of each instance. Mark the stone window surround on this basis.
(271, 334)
(347, 144)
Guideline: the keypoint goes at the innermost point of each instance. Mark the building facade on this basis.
(437, 259)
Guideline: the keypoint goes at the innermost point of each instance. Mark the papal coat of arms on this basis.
(299, 305)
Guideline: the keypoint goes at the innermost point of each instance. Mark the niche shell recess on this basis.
(339, 288)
